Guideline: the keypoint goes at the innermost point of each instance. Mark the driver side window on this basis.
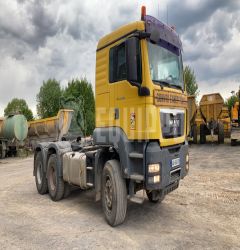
(117, 63)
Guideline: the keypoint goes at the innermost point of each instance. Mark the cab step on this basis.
(136, 199)
(135, 155)
(137, 177)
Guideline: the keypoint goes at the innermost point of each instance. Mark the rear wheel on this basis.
(220, 133)
(40, 175)
(55, 182)
(2, 150)
(155, 196)
(195, 141)
(202, 134)
(114, 193)
(233, 142)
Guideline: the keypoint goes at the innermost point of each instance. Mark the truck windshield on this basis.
(165, 66)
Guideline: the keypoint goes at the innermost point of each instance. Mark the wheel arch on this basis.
(58, 148)
(41, 147)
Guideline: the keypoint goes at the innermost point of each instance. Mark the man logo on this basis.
(175, 123)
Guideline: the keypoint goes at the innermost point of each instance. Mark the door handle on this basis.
(116, 113)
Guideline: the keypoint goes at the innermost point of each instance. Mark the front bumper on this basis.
(168, 175)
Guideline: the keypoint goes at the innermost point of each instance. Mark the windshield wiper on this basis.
(165, 83)
(162, 83)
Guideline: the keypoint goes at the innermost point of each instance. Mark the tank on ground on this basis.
(50, 129)
(13, 132)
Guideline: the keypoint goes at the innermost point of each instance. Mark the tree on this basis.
(18, 106)
(79, 96)
(190, 81)
(48, 98)
(231, 100)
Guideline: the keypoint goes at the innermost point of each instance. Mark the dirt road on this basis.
(203, 213)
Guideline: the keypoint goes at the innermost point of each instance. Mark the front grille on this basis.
(175, 174)
(172, 123)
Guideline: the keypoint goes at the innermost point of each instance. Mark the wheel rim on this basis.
(52, 178)
(39, 173)
(108, 193)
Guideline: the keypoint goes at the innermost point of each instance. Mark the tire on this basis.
(2, 150)
(202, 134)
(195, 139)
(233, 142)
(55, 183)
(67, 190)
(114, 193)
(40, 175)
(155, 196)
(220, 133)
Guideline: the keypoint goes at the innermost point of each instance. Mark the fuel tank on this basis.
(14, 127)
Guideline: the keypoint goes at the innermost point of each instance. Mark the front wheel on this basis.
(114, 193)
(220, 133)
(55, 182)
(202, 134)
(195, 135)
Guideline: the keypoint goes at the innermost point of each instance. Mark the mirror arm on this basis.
(142, 90)
(141, 35)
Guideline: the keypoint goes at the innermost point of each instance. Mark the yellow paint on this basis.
(53, 127)
(234, 111)
(124, 96)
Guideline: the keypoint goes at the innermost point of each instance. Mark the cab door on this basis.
(128, 106)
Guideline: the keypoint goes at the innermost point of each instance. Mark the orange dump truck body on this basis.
(50, 129)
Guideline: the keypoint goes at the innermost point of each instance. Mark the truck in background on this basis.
(213, 113)
(139, 142)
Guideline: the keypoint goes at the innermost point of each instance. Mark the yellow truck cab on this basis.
(139, 142)
(141, 103)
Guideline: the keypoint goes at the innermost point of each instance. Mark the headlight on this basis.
(153, 168)
(154, 179)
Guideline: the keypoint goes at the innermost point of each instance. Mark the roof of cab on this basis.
(120, 32)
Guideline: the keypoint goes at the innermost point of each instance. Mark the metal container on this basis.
(211, 106)
(50, 129)
(14, 127)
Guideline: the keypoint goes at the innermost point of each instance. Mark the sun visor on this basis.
(160, 31)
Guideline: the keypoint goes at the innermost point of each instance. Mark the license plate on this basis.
(175, 162)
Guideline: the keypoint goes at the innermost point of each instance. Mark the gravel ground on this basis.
(203, 213)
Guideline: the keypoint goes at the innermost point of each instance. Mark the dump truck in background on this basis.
(211, 107)
(13, 132)
(50, 129)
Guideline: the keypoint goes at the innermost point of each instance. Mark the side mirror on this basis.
(134, 67)
(132, 50)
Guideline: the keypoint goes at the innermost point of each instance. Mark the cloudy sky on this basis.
(56, 38)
